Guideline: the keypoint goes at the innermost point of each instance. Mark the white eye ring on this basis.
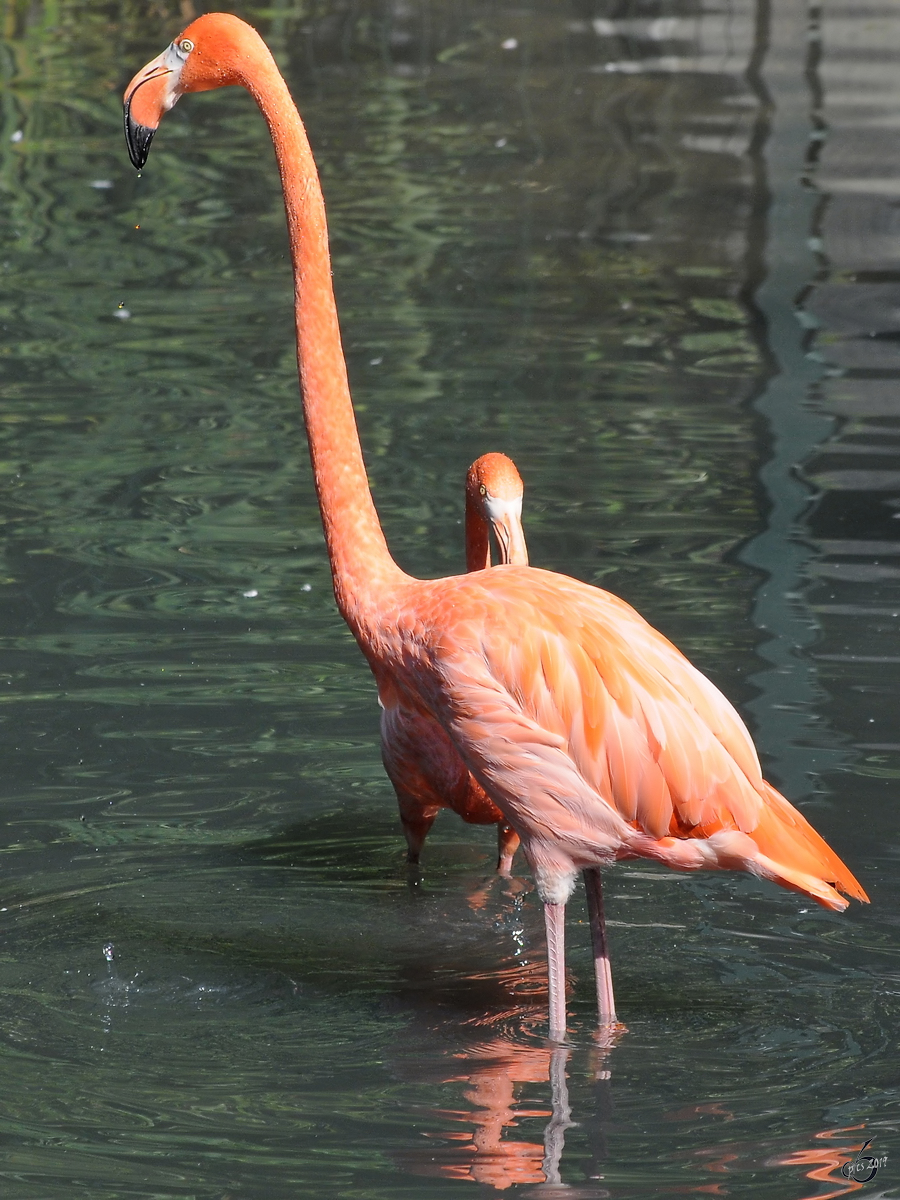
(186, 45)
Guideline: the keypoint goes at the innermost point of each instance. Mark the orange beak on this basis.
(152, 92)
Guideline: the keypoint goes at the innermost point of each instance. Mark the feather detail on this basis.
(597, 739)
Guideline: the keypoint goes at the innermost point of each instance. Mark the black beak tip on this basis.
(137, 139)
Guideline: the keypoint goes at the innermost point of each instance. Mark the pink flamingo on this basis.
(593, 736)
(419, 757)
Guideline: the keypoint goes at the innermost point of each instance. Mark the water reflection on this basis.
(492, 1074)
(513, 1082)
(853, 585)
(827, 1162)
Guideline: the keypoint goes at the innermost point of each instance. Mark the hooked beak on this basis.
(506, 522)
(152, 92)
(137, 139)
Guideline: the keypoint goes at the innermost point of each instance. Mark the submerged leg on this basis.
(507, 845)
(417, 819)
(554, 920)
(606, 1005)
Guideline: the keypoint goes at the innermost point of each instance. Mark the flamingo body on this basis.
(419, 757)
(426, 769)
(592, 735)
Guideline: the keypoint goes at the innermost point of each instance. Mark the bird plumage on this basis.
(421, 761)
(587, 729)
(595, 736)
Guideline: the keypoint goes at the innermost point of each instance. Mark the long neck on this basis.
(361, 563)
(478, 540)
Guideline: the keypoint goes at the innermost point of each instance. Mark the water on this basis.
(653, 253)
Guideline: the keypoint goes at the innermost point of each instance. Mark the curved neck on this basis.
(478, 541)
(361, 563)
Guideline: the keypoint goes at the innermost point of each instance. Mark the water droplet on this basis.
(122, 313)
(249, 595)
(101, 185)
(510, 44)
(307, 587)
(109, 952)
(17, 136)
(376, 362)
(500, 143)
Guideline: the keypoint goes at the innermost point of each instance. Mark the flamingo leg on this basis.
(606, 1005)
(554, 920)
(417, 819)
(507, 845)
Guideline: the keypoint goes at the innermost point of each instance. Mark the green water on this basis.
(602, 249)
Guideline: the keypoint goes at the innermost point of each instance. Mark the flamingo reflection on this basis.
(826, 1162)
(506, 1080)
(495, 1074)
(832, 1161)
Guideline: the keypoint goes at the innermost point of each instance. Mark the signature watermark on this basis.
(864, 1167)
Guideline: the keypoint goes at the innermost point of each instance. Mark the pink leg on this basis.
(554, 920)
(606, 1005)
(507, 845)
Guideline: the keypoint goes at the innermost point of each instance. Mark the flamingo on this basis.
(591, 733)
(419, 758)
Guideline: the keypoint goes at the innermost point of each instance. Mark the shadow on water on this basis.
(651, 251)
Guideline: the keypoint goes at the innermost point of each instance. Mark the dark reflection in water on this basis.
(650, 250)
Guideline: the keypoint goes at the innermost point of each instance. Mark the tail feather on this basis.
(794, 855)
(783, 847)
(798, 881)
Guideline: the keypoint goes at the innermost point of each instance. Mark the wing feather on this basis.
(646, 730)
(598, 739)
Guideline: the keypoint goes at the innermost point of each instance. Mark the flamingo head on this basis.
(494, 492)
(213, 52)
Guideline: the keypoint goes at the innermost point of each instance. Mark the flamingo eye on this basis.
(483, 490)
(186, 45)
